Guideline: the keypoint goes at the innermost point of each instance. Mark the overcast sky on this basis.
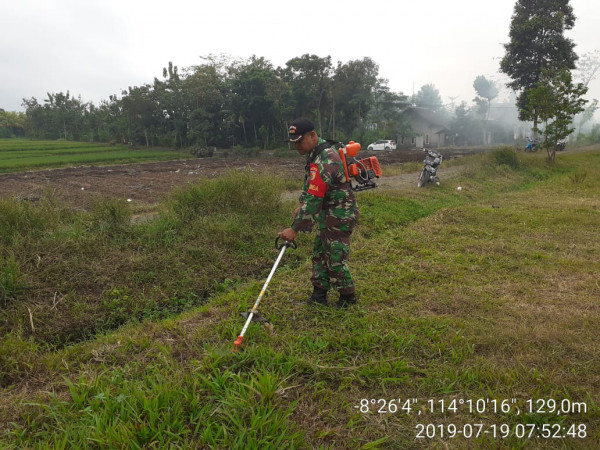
(97, 48)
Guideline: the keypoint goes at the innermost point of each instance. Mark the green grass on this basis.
(23, 154)
(485, 293)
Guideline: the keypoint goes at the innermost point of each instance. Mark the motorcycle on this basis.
(532, 145)
(560, 145)
(431, 163)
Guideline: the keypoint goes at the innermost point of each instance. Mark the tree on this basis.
(587, 70)
(428, 97)
(386, 114)
(310, 78)
(555, 100)
(12, 124)
(537, 42)
(588, 67)
(204, 94)
(141, 109)
(463, 127)
(250, 102)
(486, 92)
(353, 87)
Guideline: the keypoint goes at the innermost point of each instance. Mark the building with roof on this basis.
(428, 127)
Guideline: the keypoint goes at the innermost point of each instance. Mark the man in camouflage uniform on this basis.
(328, 201)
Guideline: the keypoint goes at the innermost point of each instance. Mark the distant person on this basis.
(327, 201)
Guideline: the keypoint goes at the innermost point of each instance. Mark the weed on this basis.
(578, 177)
(110, 216)
(243, 192)
(506, 156)
(11, 284)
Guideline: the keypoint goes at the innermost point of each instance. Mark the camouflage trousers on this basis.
(330, 258)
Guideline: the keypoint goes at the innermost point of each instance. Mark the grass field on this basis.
(477, 326)
(24, 154)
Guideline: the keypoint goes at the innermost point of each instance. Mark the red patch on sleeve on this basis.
(316, 185)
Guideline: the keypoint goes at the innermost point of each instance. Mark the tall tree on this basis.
(428, 97)
(486, 92)
(386, 114)
(537, 42)
(353, 85)
(141, 109)
(310, 78)
(250, 101)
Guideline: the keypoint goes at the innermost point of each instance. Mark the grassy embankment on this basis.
(486, 293)
(24, 154)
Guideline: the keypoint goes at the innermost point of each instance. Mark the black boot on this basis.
(319, 296)
(346, 300)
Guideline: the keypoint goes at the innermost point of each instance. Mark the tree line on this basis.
(227, 102)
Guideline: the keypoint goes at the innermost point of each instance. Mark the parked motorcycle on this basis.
(532, 145)
(431, 163)
(560, 145)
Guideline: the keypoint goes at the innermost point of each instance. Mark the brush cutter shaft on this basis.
(262, 292)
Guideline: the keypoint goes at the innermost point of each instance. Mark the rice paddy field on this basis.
(23, 154)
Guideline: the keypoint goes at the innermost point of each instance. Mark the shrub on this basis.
(240, 192)
(506, 156)
(19, 218)
(110, 215)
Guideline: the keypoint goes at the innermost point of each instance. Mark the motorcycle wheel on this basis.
(423, 178)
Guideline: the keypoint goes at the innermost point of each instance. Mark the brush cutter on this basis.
(252, 315)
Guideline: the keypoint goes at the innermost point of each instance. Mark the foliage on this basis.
(537, 42)
(110, 216)
(12, 124)
(10, 280)
(224, 103)
(506, 156)
(93, 271)
(428, 96)
(486, 92)
(353, 86)
(386, 114)
(593, 137)
(556, 100)
(587, 67)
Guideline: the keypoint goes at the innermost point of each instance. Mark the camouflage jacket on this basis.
(326, 197)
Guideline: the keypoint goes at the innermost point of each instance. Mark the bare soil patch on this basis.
(145, 184)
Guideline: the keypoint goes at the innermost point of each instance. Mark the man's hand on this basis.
(288, 234)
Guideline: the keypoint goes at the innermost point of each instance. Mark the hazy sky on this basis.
(97, 48)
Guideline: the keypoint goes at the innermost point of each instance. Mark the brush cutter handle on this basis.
(279, 246)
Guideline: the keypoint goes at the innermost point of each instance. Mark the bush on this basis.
(242, 192)
(110, 215)
(202, 152)
(506, 156)
(20, 218)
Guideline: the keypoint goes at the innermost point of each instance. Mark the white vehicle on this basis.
(382, 144)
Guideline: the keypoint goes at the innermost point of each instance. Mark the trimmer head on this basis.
(256, 317)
